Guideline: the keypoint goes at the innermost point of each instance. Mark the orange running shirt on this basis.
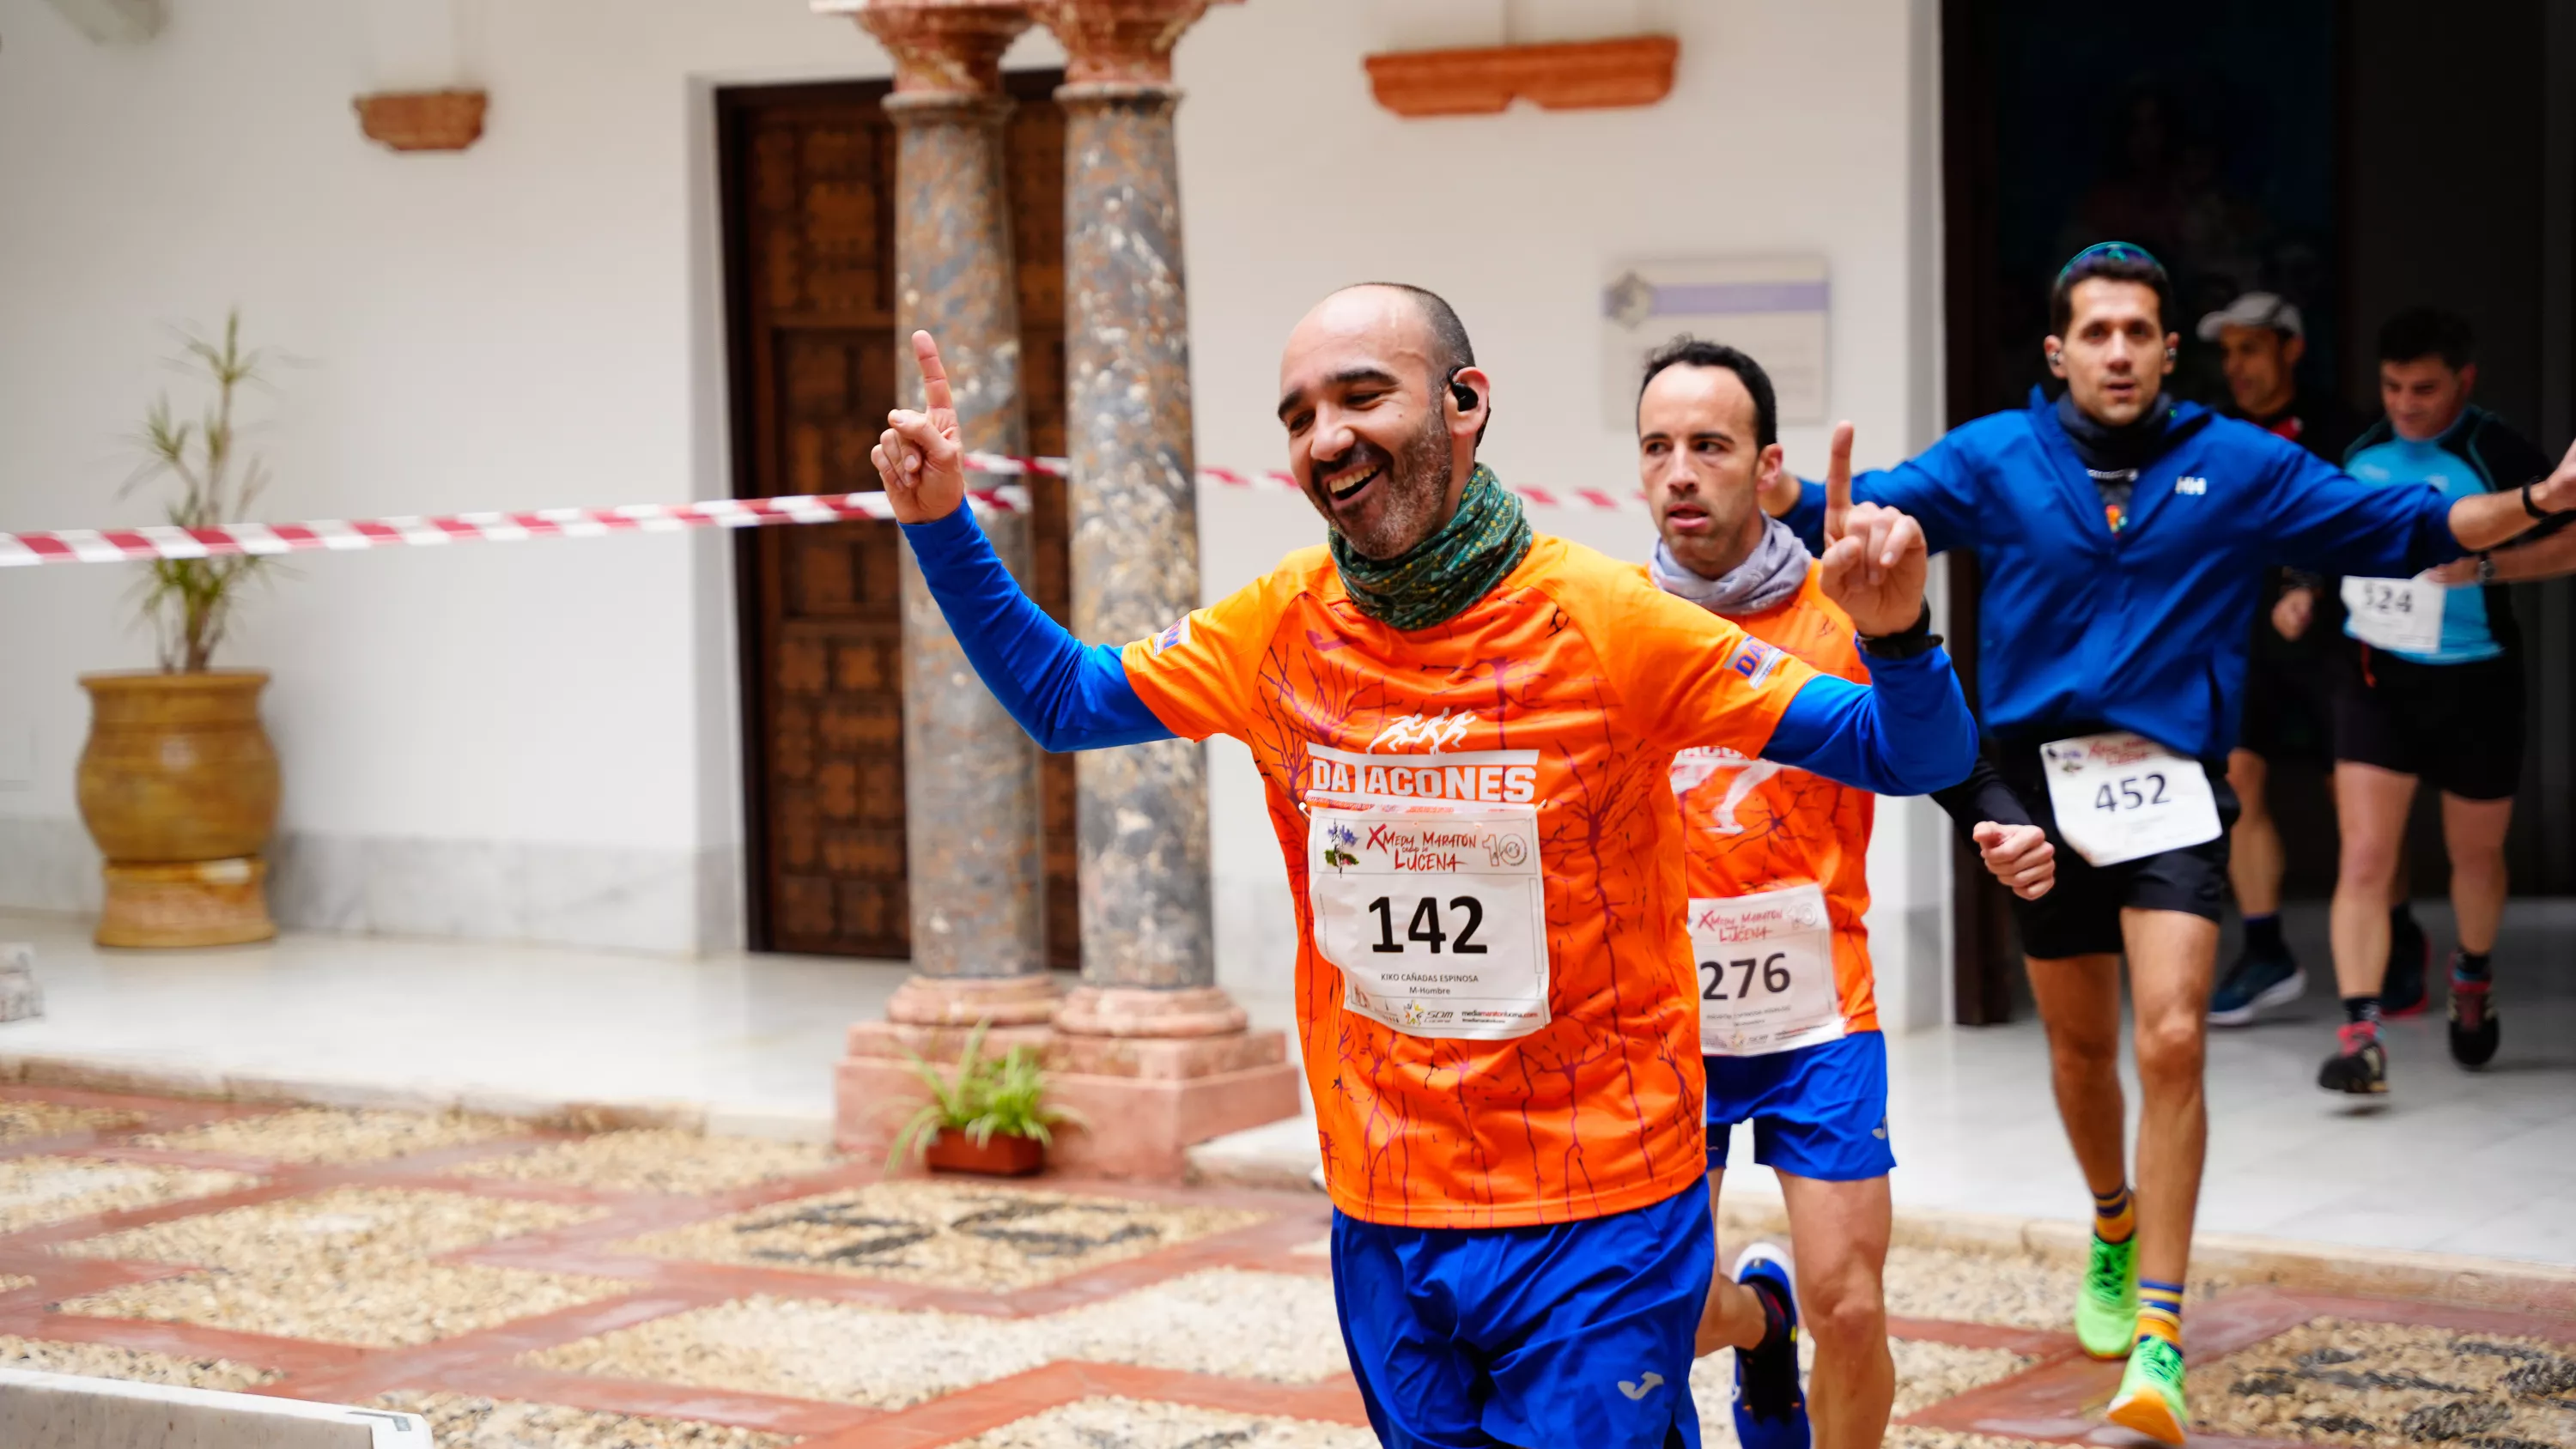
(1573, 682)
(1749, 825)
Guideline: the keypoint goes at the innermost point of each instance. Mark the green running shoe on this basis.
(2106, 1308)
(2150, 1396)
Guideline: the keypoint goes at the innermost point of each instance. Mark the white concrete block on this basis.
(61, 1411)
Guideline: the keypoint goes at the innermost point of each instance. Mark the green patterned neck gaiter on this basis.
(1435, 579)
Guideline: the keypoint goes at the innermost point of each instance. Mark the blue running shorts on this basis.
(1564, 1334)
(1818, 1111)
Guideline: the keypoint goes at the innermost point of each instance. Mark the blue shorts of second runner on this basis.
(1565, 1333)
(1818, 1111)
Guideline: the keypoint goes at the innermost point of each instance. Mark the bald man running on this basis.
(1465, 730)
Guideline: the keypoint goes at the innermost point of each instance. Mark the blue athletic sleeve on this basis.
(1908, 733)
(1067, 694)
(2325, 521)
(1938, 489)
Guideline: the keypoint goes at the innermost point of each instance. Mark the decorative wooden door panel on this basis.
(809, 173)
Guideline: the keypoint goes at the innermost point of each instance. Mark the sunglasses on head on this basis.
(2110, 251)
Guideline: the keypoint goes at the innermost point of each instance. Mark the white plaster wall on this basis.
(539, 740)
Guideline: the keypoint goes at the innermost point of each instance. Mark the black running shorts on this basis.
(2457, 725)
(2080, 915)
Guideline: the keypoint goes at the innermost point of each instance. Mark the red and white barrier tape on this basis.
(116, 545)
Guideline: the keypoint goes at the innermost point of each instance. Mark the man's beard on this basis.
(1412, 495)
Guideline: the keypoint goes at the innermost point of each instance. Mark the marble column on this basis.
(971, 811)
(1148, 1014)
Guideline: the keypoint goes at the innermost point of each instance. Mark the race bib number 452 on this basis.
(2121, 796)
(1435, 914)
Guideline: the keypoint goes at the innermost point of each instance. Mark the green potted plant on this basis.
(990, 1117)
(178, 781)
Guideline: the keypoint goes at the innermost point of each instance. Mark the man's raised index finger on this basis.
(934, 377)
(1838, 467)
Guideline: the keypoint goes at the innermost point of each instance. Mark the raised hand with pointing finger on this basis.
(918, 455)
(1875, 559)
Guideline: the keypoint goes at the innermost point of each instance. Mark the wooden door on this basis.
(808, 176)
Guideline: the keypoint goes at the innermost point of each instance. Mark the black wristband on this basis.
(2527, 505)
(1917, 638)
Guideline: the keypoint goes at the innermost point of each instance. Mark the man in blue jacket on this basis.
(2123, 539)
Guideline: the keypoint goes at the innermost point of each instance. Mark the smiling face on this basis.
(1379, 448)
(1701, 466)
(2425, 395)
(2115, 352)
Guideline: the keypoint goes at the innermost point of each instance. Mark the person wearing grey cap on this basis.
(2288, 692)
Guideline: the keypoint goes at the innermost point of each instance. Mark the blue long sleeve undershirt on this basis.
(1074, 696)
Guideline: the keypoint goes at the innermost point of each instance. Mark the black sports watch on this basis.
(1916, 638)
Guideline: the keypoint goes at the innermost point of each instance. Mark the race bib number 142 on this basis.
(1436, 915)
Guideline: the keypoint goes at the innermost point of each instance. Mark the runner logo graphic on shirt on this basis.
(1173, 637)
(1697, 766)
(1436, 731)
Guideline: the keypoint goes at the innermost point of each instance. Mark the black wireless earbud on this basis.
(1464, 395)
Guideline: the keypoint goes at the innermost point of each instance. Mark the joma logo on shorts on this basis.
(2192, 486)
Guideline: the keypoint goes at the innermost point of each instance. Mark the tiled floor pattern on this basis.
(640, 1290)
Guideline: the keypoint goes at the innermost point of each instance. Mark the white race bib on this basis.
(1436, 914)
(2400, 614)
(1766, 972)
(2121, 796)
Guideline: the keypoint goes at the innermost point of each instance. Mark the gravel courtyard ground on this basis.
(646, 1288)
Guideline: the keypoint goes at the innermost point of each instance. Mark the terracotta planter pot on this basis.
(1000, 1156)
(178, 785)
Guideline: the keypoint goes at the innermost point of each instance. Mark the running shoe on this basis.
(2360, 1064)
(2256, 984)
(1770, 1408)
(2106, 1307)
(2150, 1396)
(2410, 955)
(2474, 1030)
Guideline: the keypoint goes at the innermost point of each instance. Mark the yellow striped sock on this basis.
(2115, 1215)
(2160, 1311)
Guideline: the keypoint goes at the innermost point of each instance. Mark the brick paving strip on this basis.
(2050, 1395)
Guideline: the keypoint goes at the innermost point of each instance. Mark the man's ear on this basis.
(1767, 465)
(2468, 378)
(2292, 349)
(2173, 352)
(1466, 419)
(2055, 348)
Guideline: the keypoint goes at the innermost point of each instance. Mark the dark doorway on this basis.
(2358, 158)
(808, 196)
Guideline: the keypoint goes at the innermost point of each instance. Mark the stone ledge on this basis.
(558, 1113)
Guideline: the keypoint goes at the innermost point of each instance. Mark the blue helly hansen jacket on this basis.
(2144, 629)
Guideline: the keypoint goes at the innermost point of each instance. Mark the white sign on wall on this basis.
(1772, 307)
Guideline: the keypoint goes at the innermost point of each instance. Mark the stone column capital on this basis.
(1119, 42)
(941, 48)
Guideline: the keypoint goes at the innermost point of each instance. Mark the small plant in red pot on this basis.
(991, 1117)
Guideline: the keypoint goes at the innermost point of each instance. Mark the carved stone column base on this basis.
(1156, 1071)
(1144, 1122)
(1145, 1011)
(1029, 1000)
